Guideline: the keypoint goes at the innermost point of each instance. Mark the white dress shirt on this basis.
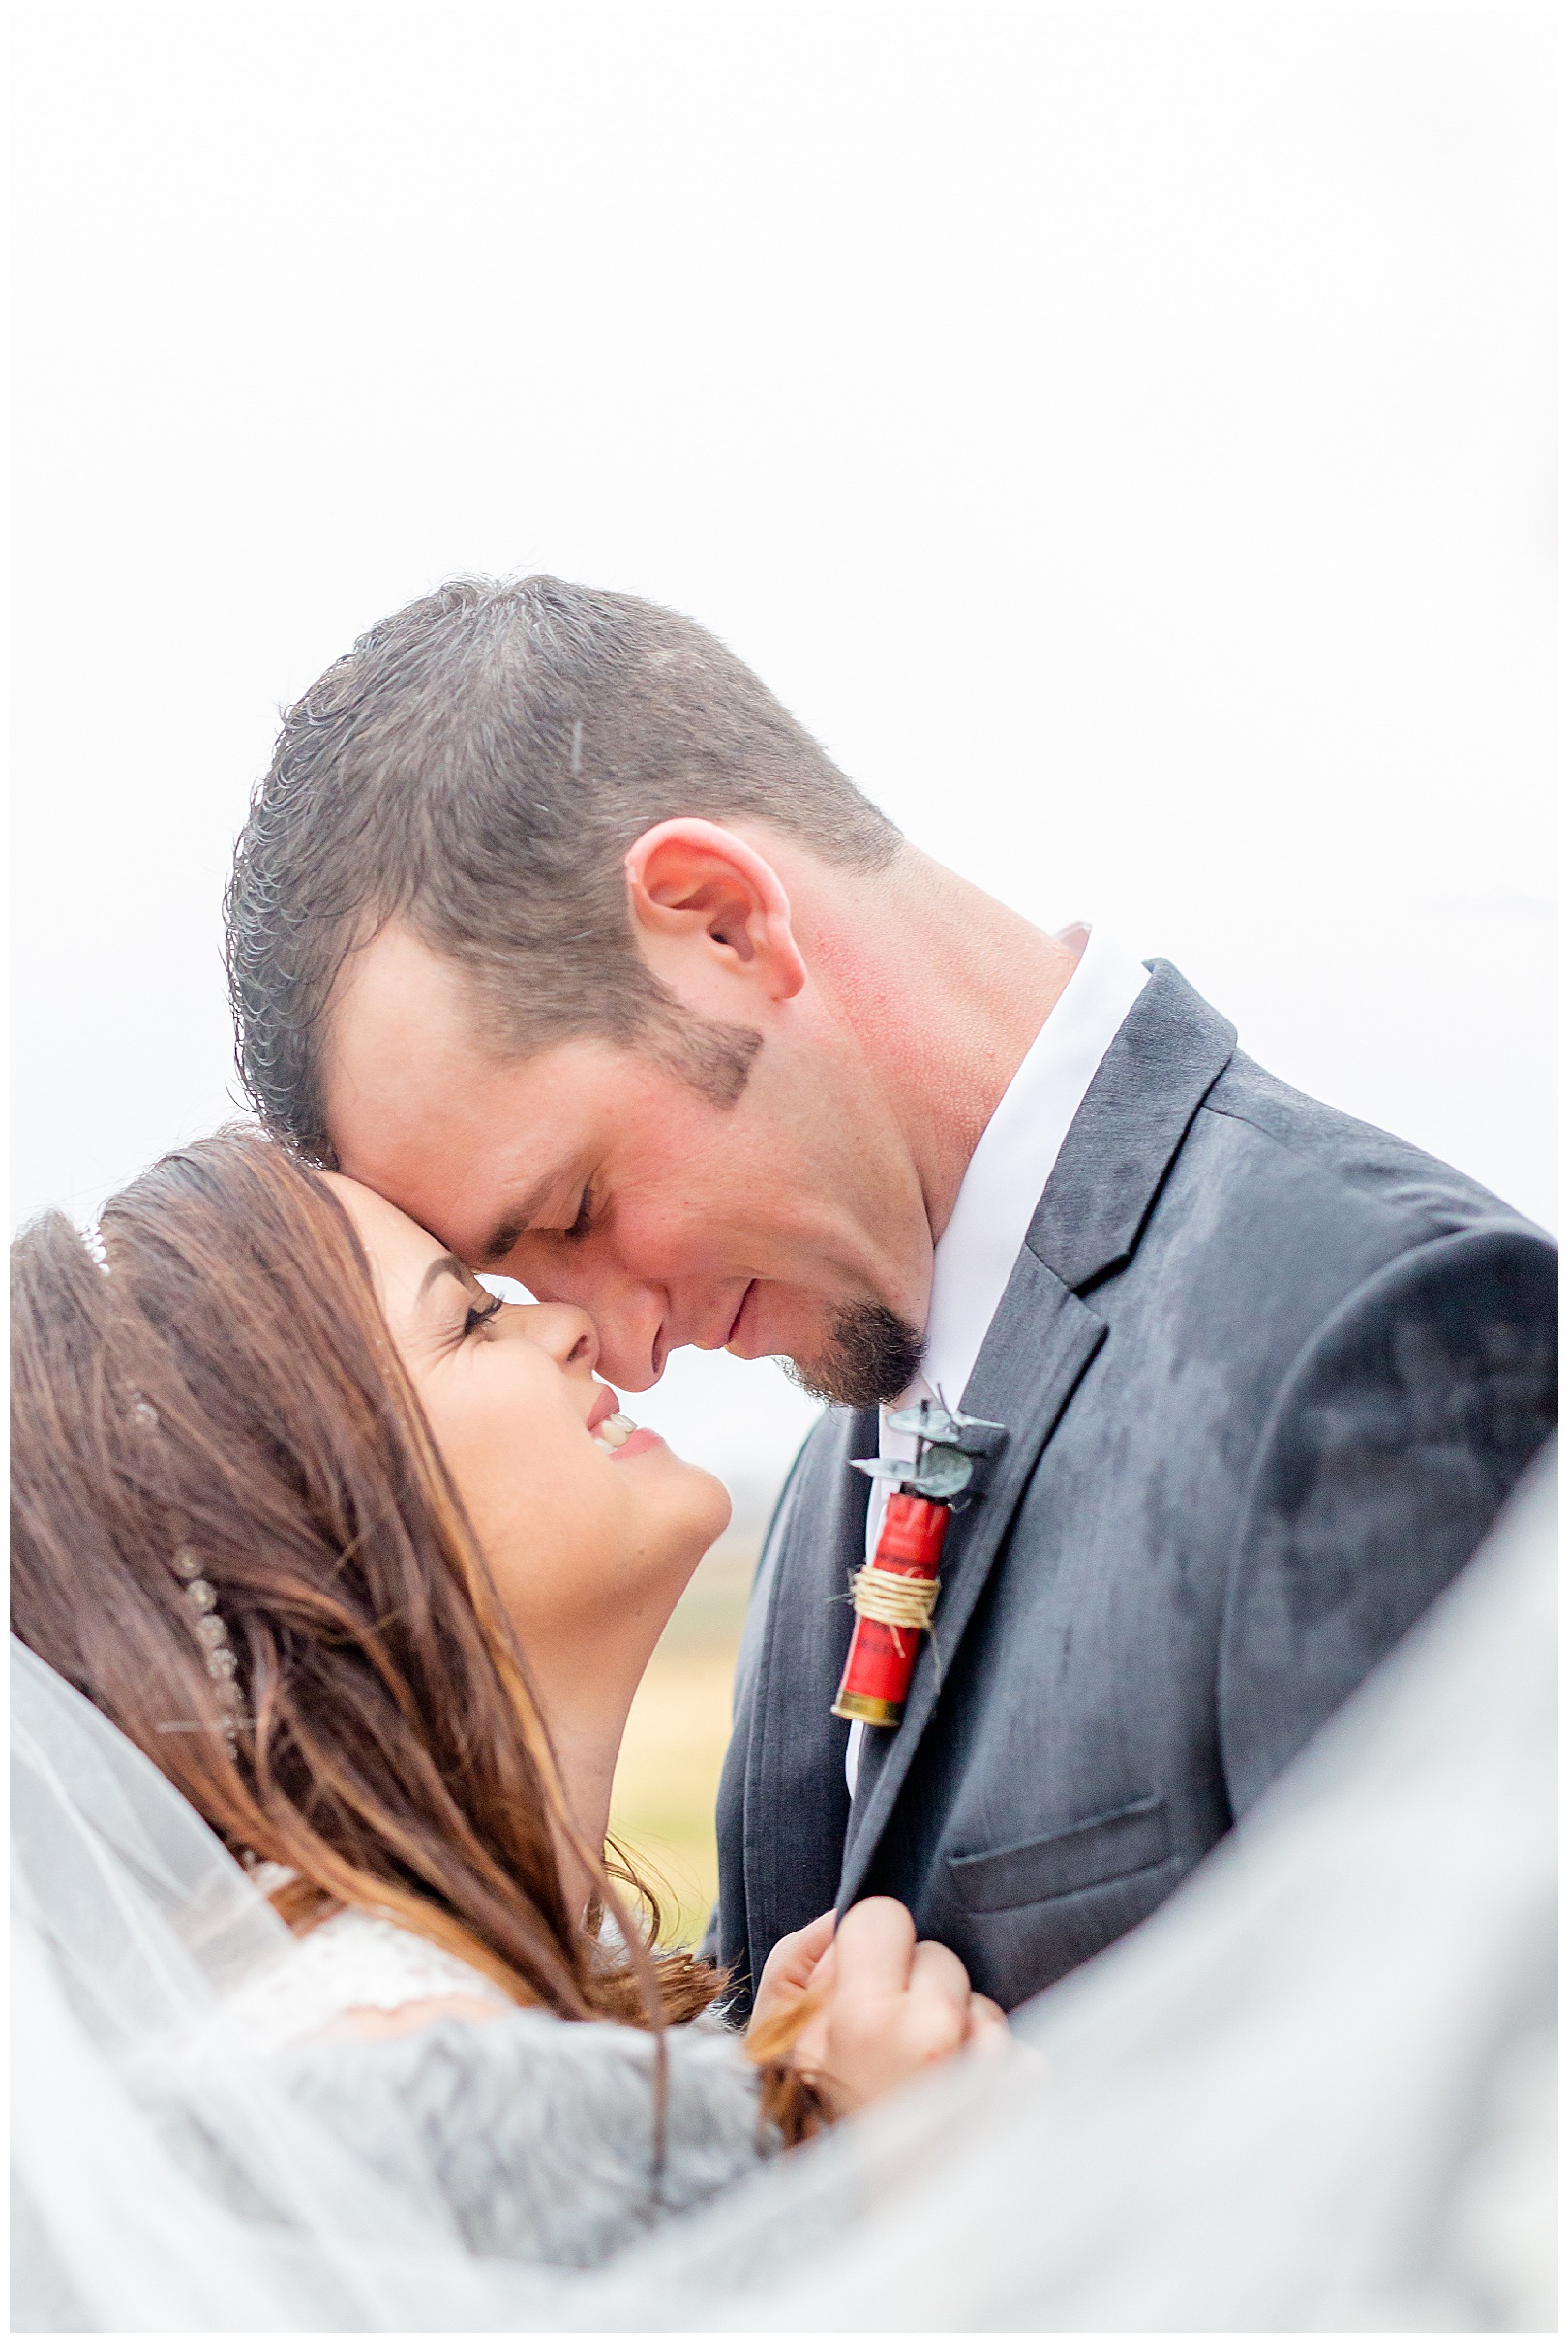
(1016, 1157)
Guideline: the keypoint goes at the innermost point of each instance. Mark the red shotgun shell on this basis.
(882, 1658)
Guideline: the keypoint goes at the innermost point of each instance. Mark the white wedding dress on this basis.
(355, 1961)
(1313, 2093)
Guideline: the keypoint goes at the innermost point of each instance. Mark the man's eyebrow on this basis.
(445, 1265)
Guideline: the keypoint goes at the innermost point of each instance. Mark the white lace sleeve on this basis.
(354, 1960)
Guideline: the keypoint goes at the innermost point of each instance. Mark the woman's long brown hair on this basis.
(231, 1388)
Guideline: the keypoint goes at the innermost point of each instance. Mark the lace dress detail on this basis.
(354, 1960)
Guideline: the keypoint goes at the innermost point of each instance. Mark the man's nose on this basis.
(631, 1337)
(626, 1313)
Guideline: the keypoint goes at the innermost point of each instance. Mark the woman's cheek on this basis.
(567, 1517)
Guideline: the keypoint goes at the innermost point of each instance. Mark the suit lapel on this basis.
(1168, 1054)
(1170, 1050)
(1039, 1342)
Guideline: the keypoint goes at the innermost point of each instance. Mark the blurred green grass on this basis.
(667, 1779)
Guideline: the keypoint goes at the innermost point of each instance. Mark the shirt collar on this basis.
(1014, 1157)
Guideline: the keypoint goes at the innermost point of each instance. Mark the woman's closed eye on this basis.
(480, 1314)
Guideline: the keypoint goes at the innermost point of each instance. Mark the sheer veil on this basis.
(1312, 2094)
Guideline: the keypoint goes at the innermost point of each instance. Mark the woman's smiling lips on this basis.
(605, 1405)
(639, 1442)
(613, 1434)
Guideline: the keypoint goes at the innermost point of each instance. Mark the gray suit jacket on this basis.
(1267, 1374)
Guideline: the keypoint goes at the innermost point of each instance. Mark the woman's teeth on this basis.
(613, 1433)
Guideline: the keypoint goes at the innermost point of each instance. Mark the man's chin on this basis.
(871, 1356)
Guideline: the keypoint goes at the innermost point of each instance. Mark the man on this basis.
(551, 924)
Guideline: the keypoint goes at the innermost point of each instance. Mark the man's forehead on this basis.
(395, 997)
(463, 1128)
(420, 1111)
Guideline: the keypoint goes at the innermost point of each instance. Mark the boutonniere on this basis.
(895, 1593)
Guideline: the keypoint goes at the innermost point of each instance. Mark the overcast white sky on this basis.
(1124, 436)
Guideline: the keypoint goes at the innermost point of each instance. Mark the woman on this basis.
(370, 1565)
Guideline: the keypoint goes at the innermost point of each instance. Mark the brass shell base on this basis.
(865, 1711)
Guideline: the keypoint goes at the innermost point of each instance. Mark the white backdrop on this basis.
(1123, 436)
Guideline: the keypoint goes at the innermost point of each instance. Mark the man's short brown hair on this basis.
(477, 766)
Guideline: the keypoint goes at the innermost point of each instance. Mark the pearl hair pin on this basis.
(222, 1665)
(200, 1592)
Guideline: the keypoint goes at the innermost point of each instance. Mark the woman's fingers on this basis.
(875, 1948)
(987, 2024)
(939, 1971)
(818, 1934)
(793, 1966)
(799, 1953)
(938, 2003)
(882, 2007)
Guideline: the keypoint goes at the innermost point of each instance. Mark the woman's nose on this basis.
(567, 1333)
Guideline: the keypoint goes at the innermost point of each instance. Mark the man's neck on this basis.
(944, 990)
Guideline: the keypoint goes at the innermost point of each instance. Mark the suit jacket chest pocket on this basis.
(1132, 1837)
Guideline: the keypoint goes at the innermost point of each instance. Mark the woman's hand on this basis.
(881, 2007)
(788, 1975)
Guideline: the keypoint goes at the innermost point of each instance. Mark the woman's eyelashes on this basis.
(479, 1315)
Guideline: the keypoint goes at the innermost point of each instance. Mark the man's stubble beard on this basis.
(871, 1355)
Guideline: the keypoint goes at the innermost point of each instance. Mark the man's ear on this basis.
(711, 918)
